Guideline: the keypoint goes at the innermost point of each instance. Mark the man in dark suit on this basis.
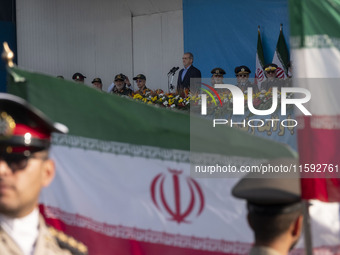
(189, 71)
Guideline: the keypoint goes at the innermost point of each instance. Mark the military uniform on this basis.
(244, 85)
(272, 81)
(143, 91)
(50, 241)
(261, 250)
(217, 76)
(123, 92)
(268, 197)
(268, 84)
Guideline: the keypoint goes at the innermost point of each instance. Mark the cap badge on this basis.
(242, 70)
(7, 125)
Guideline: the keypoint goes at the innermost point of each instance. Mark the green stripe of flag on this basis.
(317, 25)
(282, 50)
(260, 49)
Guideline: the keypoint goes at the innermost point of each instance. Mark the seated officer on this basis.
(120, 86)
(242, 76)
(217, 76)
(271, 81)
(274, 211)
(97, 83)
(78, 77)
(25, 168)
(126, 82)
(141, 81)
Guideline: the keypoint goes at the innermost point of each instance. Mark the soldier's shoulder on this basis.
(68, 242)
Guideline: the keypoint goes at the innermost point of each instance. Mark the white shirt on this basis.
(24, 231)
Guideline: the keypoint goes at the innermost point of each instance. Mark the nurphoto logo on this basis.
(239, 106)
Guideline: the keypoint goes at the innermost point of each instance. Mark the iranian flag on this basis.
(259, 74)
(315, 28)
(315, 40)
(281, 56)
(123, 180)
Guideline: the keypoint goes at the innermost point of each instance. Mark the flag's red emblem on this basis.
(259, 74)
(182, 206)
(280, 73)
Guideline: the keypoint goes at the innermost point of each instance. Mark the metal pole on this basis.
(307, 229)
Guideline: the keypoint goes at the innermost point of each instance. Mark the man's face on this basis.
(20, 184)
(217, 79)
(119, 84)
(140, 83)
(187, 61)
(79, 80)
(271, 74)
(97, 85)
(242, 78)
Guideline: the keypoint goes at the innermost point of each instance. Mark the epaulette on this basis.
(68, 242)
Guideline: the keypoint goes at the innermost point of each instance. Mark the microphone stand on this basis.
(170, 81)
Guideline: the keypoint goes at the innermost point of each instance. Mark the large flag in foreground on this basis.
(315, 37)
(259, 74)
(281, 56)
(123, 183)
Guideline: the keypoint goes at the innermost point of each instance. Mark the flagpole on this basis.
(7, 55)
(307, 229)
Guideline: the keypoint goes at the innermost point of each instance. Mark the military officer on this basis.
(272, 80)
(25, 168)
(78, 77)
(97, 83)
(217, 75)
(274, 209)
(242, 76)
(120, 86)
(140, 80)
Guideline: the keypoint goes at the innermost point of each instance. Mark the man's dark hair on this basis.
(190, 55)
(267, 227)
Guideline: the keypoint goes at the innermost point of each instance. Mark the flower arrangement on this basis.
(168, 100)
(261, 101)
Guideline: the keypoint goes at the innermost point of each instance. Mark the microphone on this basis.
(173, 70)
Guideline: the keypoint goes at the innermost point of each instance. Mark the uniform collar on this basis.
(24, 231)
(263, 250)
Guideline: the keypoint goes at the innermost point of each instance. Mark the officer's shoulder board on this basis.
(68, 243)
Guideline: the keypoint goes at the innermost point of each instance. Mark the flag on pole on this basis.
(315, 37)
(259, 74)
(123, 182)
(281, 56)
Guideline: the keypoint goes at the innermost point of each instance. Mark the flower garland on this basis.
(162, 99)
(261, 101)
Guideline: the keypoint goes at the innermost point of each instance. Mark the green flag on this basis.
(259, 75)
(281, 56)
